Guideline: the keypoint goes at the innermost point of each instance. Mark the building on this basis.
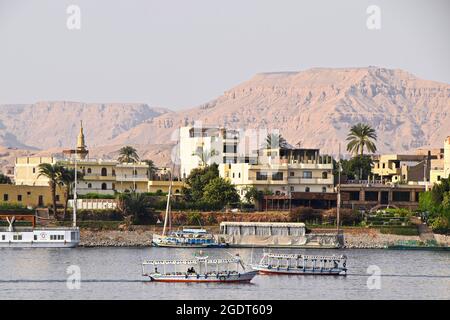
(398, 168)
(441, 167)
(99, 175)
(200, 146)
(288, 176)
(29, 196)
(369, 196)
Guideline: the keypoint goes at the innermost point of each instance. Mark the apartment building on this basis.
(200, 146)
(288, 176)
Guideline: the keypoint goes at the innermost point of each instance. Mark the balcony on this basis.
(132, 178)
(299, 180)
(93, 177)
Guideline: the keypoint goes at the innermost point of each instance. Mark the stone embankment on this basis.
(363, 238)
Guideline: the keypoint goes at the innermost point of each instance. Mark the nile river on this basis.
(115, 273)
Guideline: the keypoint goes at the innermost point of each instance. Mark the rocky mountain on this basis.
(314, 108)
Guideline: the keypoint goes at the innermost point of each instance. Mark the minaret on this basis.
(81, 146)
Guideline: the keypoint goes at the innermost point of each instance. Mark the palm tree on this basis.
(128, 154)
(151, 170)
(52, 173)
(66, 179)
(361, 136)
(275, 140)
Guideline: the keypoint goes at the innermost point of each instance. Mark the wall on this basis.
(30, 195)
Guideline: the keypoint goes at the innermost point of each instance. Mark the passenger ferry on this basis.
(299, 264)
(199, 269)
(25, 237)
(187, 238)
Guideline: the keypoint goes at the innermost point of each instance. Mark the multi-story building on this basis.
(200, 146)
(441, 167)
(286, 175)
(99, 176)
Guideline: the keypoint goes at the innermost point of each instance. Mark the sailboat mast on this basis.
(166, 218)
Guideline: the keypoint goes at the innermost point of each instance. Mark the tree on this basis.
(4, 179)
(138, 206)
(274, 140)
(221, 192)
(197, 180)
(151, 170)
(66, 179)
(361, 136)
(128, 154)
(358, 166)
(205, 155)
(52, 173)
(253, 195)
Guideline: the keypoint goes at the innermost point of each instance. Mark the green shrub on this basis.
(400, 230)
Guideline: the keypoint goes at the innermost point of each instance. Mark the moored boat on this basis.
(299, 264)
(198, 269)
(187, 238)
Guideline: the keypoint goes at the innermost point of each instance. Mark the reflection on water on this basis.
(115, 273)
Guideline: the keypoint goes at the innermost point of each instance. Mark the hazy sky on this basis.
(181, 53)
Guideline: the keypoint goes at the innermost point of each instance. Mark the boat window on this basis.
(35, 237)
(3, 237)
(17, 237)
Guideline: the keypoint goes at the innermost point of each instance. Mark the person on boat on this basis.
(156, 269)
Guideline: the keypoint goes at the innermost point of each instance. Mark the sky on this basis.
(182, 53)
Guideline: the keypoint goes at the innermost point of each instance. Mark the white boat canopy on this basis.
(189, 262)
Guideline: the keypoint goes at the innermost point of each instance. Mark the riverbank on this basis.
(142, 237)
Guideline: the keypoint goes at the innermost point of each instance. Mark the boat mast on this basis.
(166, 218)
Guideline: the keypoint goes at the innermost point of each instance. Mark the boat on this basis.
(28, 237)
(299, 264)
(187, 237)
(199, 269)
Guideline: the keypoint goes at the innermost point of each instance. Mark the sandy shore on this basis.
(363, 238)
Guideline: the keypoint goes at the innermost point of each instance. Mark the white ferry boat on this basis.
(199, 269)
(187, 238)
(25, 237)
(299, 264)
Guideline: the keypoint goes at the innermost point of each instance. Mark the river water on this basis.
(115, 273)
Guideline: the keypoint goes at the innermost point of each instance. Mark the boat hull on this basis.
(181, 245)
(231, 278)
(300, 271)
(23, 244)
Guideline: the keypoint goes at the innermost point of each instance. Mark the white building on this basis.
(200, 146)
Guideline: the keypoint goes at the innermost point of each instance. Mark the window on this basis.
(89, 170)
(57, 197)
(3, 237)
(113, 172)
(292, 188)
(438, 178)
(239, 175)
(277, 176)
(89, 185)
(324, 175)
(307, 174)
(324, 189)
(104, 186)
(113, 186)
(5, 197)
(104, 172)
(261, 175)
(35, 237)
(233, 174)
(17, 237)
(291, 174)
(307, 189)
(40, 201)
(34, 170)
(19, 197)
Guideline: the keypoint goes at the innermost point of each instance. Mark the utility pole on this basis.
(338, 207)
(74, 223)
